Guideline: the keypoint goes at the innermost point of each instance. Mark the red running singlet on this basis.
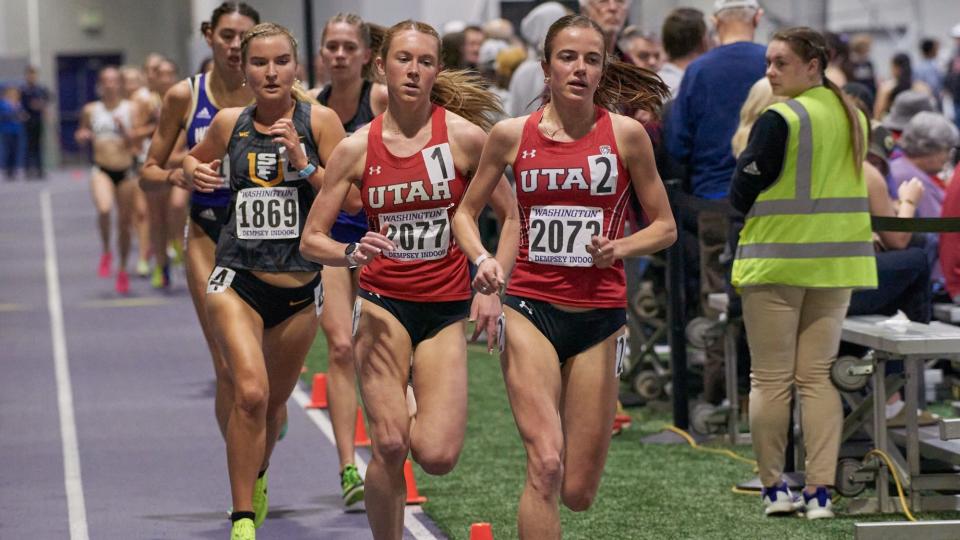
(415, 197)
(567, 192)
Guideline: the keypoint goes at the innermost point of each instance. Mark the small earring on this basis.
(546, 80)
(244, 83)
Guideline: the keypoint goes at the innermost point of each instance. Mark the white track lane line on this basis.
(411, 521)
(76, 508)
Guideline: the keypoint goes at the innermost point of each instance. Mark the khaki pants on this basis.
(794, 334)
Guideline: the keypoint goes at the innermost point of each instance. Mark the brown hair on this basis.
(622, 85)
(461, 92)
(809, 44)
(226, 8)
(371, 37)
(268, 29)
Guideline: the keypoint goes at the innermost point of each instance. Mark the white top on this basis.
(103, 121)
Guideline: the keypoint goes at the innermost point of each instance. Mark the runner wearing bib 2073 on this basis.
(568, 192)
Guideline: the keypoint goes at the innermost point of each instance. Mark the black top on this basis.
(269, 201)
(364, 113)
(761, 162)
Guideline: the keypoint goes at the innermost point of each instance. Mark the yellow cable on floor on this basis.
(896, 480)
(722, 451)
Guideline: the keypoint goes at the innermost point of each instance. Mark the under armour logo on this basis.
(531, 153)
(604, 149)
(374, 170)
(523, 305)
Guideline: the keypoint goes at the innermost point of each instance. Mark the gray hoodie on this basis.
(526, 85)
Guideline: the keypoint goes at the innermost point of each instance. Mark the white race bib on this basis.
(268, 213)
(420, 235)
(439, 162)
(559, 235)
(220, 279)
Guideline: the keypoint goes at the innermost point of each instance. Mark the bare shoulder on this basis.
(464, 131)
(179, 95)
(354, 146)
(509, 130)
(629, 133)
(323, 114)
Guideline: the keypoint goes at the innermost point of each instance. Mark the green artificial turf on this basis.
(648, 491)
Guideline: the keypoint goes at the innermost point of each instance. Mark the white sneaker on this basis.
(778, 500)
(818, 505)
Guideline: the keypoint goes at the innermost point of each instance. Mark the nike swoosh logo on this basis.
(299, 302)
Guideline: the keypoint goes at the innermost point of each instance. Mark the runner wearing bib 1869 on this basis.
(576, 166)
(412, 165)
(188, 108)
(263, 297)
(346, 55)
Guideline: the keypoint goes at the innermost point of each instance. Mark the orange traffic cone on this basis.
(413, 496)
(318, 395)
(360, 437)
(481, 531)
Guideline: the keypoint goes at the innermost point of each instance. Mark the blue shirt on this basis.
(10, 116)
(706, 113)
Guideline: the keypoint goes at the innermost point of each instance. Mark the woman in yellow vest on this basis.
(805, 246)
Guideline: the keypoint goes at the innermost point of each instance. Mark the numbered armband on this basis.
(268, 213)
(559, 235)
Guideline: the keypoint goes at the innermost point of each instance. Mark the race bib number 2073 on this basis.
(559, 235)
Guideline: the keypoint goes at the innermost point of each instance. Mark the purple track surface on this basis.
(152, 462)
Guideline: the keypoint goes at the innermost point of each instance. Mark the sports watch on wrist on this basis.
(349, 252)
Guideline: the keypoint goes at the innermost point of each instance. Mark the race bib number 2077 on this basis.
(559, 235)
(420, 235)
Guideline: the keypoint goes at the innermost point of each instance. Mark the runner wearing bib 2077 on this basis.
(415, 197)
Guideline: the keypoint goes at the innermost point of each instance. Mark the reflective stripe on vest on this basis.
(786, 236)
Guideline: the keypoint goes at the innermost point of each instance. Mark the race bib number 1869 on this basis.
(268, 213)
(559, 235)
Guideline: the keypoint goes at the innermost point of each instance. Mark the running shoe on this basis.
(161, 277)
(106, 261)
(260, 500)
(778, 500)
(243, 529)
(818, 505)
(143, 268)
(352, 486)
(123, 282)
(177, 256)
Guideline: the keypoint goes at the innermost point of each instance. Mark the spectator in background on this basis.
(952, 80)
(907, 105)
(34, 98)
(610, 16)
(926, 143)
(11, 117)
(928, 70)
(699, 128)
(501, 29)
(684, 40)
(526, 85)
(901, 80)
(950, 242)
(470, 52)
(643, 48)
(839, 61)
(488, 70)
(861, 67)
(451, 50)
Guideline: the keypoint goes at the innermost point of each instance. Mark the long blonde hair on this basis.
(760, 97)
(461, 92)
(269, 29)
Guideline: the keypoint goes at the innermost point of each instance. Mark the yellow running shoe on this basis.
(243, 529)
(260, 500)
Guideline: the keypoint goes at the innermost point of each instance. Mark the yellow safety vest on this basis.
(811, 228)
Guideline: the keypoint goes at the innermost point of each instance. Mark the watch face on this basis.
(351, 247)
